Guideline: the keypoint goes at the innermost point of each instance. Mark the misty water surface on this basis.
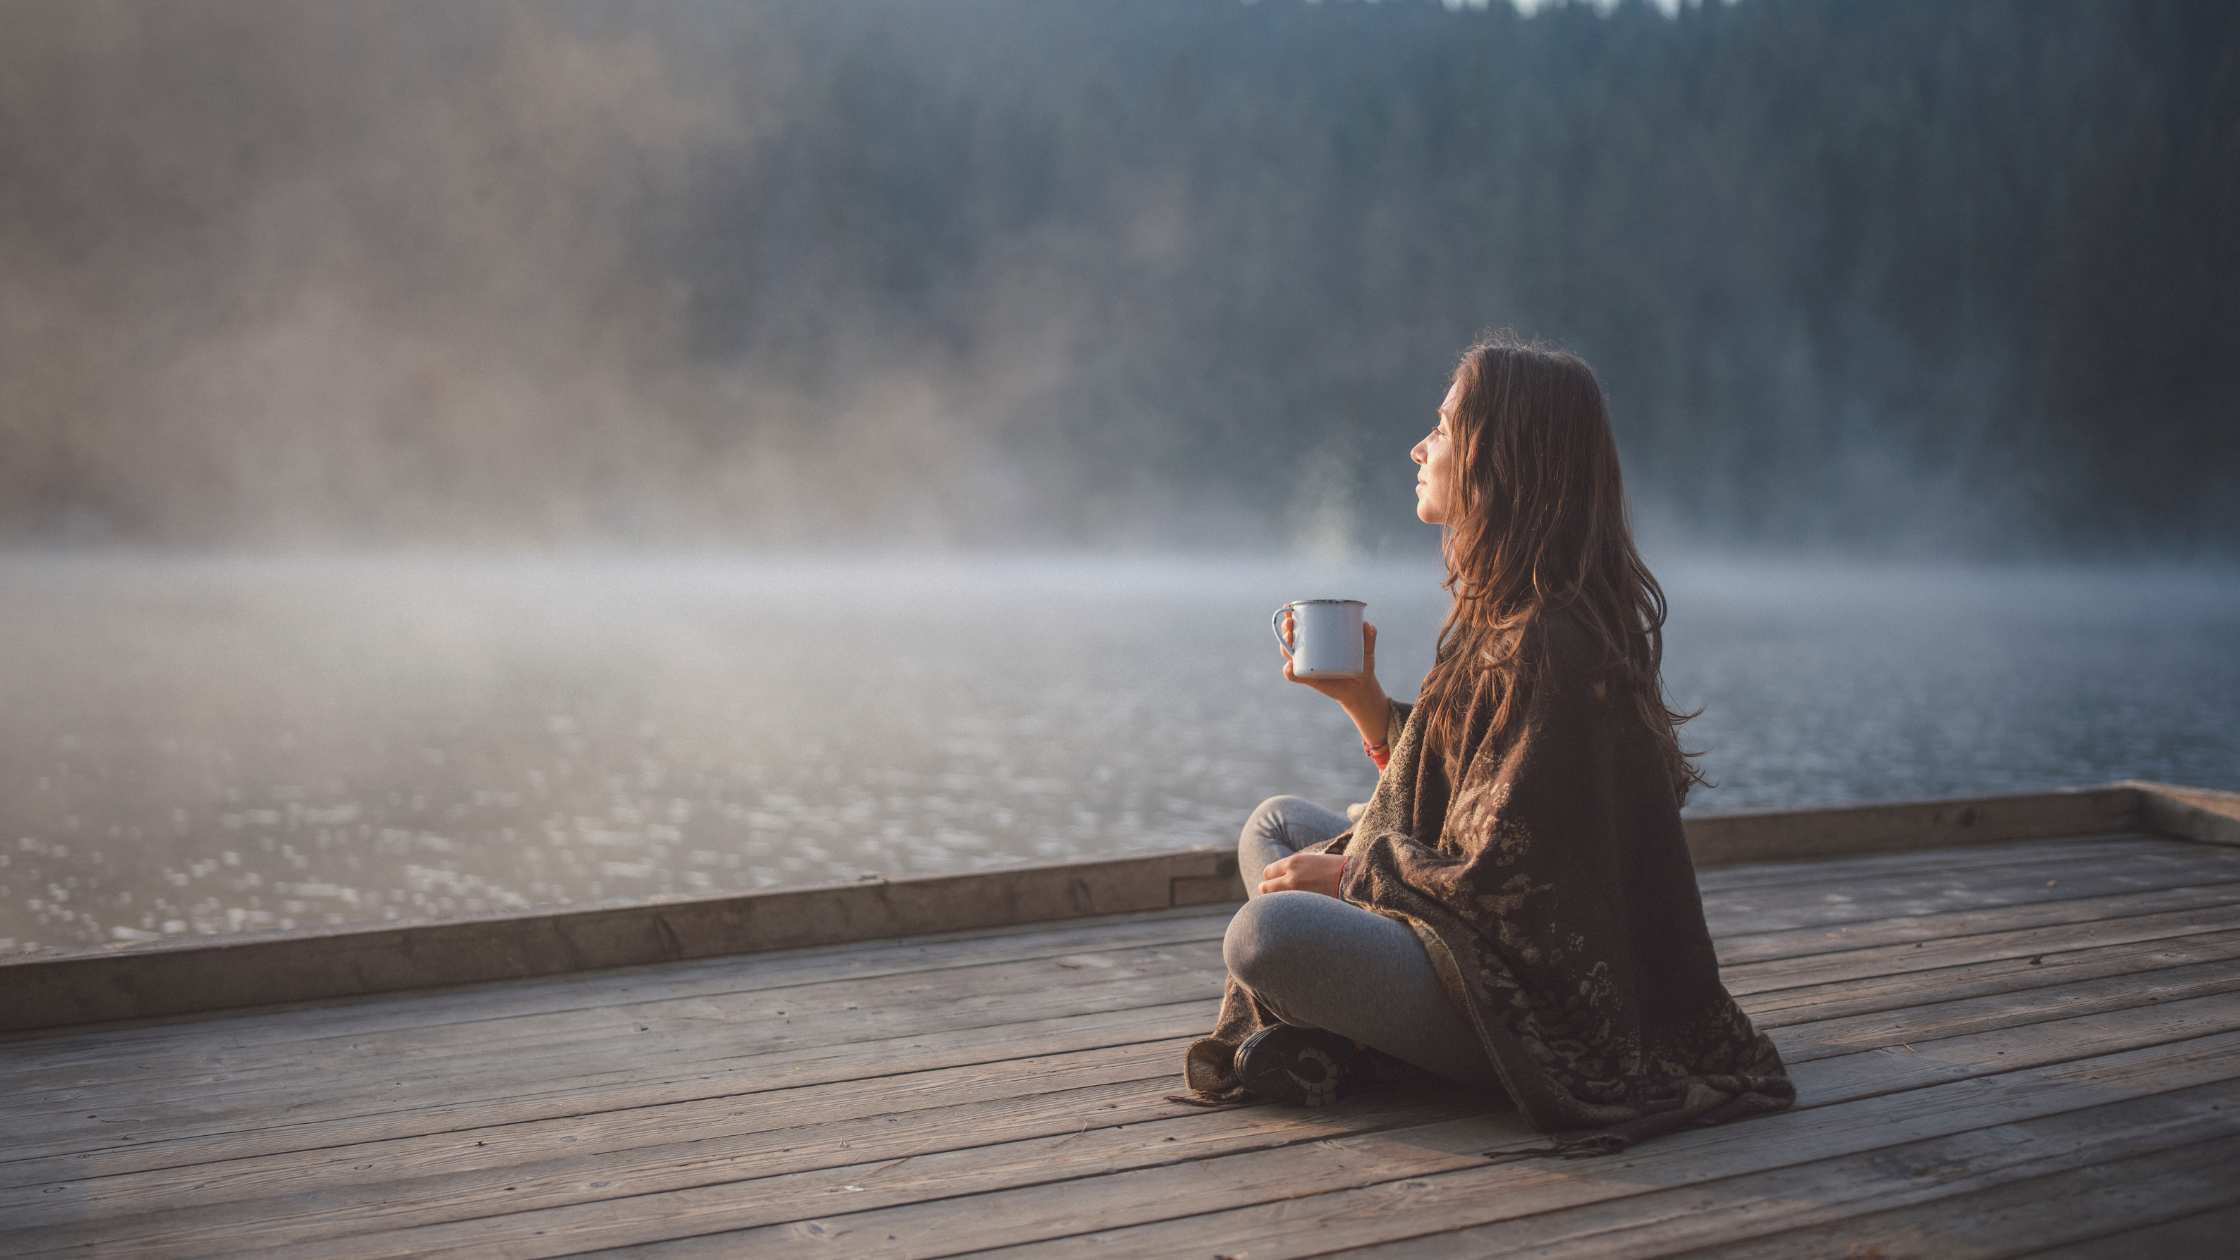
(194, 746)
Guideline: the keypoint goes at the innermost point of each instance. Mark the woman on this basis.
(1515, 909)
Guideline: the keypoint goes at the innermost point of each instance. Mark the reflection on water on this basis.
(198, 746)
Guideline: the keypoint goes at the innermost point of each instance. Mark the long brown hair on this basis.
(1537, 524)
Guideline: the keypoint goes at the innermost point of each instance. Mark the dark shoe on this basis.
(1305, 1067)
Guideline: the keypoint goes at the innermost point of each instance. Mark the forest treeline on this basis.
(1931, 276)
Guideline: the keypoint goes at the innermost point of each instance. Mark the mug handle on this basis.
(1275, 623)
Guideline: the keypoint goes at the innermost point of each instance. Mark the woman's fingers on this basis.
(1338, 689)
(1272, 878)
(1306, 872)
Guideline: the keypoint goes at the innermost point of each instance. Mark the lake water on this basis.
(193, 746)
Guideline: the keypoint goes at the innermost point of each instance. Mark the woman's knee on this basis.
(1267, 822)
(1270, 935)
(1266, 839)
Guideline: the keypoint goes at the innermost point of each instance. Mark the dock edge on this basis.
(144, 980)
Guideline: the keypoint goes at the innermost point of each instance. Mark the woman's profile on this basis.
(1515, 908)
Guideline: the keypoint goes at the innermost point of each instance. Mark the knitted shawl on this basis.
(1549, 880)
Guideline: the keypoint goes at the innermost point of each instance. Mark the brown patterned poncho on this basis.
(1549, 880)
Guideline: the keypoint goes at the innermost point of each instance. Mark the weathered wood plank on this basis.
(1735, 949)
(1894, 963)
(2200, 1236)
(2106, 1195)
(1804, 835)
(2192, 813)
(1974, 857)
(163, 1141)
(396, 1185)
(885, 1163)
(2026, 865)
(812, 1120)
(1004, 980)
(1929, 1021)
(1353, 1192)
(379, 1093)
(1892, 996)
(127, 1043)
(663, 1034)
(1942, 892)
(1820, 1207)
(172, 977)
(1896, 1067)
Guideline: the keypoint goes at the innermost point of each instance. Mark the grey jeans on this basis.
(1321, 962)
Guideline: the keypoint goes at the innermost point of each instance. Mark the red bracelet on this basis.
(1381, 754)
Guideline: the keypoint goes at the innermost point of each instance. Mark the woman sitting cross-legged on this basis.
(1515, 909)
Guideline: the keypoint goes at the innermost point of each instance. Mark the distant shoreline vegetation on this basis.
(1912, 277)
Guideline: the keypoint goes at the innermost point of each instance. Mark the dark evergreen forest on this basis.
(1925, 276)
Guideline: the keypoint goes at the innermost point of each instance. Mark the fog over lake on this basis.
(200, 745)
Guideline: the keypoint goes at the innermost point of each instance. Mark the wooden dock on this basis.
(2026, 1044)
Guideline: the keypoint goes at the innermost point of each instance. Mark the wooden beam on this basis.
(189, 975)
(182, 976)
(1802, 835)
(2188, 813)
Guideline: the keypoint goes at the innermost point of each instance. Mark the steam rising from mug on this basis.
(1326, 639)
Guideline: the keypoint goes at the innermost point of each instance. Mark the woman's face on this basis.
(1434, 456)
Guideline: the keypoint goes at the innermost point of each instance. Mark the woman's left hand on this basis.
(1305, 872)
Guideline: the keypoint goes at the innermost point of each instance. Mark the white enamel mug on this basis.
(1325, 637)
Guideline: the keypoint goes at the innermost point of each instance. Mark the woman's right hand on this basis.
(1306, 872)
(1362, 696)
